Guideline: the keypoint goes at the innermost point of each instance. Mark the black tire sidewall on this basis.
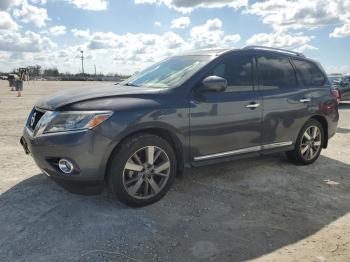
(121, 156)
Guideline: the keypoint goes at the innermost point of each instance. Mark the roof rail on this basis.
(273, 49)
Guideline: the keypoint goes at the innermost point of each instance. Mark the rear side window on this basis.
(237, 70)
(309, 73)
(276, 72)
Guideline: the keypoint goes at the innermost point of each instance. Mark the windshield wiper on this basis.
(131, 84)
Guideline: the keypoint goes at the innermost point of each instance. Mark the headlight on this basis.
(53, 122)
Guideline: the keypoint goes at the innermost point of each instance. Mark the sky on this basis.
(124, 36)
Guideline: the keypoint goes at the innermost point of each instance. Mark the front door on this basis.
(227, 123)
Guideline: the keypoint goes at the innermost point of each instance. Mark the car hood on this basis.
(75, 95)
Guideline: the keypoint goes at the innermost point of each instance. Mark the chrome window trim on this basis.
(243, 150)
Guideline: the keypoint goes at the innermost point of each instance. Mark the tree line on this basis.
(36, 72)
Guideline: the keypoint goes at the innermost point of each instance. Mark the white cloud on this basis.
(4, 56)
(181, 22)
(157, 24)
(208, 35)
(125, 53)
(6, 4)
(211, 35)
(229, 40)
(342, 31)
(186, 6)
(133, 51)
(6, 22)
(111, 52)
(172, 40)
(92, 5)
(39, 2)
(29, 42)
(32, 14)
(298, 14)
(135, 43)
(58, 30)
(282, 39)
(81, 33)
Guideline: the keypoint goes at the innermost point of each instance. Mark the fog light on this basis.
(66, 166)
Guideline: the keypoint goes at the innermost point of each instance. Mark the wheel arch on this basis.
(323, 121)
(162, 132)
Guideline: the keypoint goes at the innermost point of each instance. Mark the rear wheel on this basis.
(309, 144)
(142, 170)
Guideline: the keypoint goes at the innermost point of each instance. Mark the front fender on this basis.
(123, 124)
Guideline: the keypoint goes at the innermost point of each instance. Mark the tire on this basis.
(307, 151)
(131, 175)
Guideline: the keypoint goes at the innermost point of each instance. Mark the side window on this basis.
(309, 73)
(276, 72)
(237, 70)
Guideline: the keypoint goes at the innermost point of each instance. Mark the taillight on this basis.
(336, 94)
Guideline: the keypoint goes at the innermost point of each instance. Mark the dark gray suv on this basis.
(189, 110)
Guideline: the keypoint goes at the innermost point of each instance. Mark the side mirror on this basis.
(214, 84)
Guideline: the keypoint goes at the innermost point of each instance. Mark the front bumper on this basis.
(88, 150)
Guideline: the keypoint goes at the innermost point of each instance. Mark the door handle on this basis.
(252, 105)
(305, 100)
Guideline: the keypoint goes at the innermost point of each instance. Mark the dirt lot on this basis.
(259, 209)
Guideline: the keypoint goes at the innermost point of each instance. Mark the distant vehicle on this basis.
(344, 88)
(3, 78)
(190, 110)
(335, 79)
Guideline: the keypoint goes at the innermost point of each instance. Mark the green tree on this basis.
(51, 72)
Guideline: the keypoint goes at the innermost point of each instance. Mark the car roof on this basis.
(264, 49)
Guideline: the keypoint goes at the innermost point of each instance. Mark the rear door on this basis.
(227, 123)
(285, 101)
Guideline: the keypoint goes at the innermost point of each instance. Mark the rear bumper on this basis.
(87, 150)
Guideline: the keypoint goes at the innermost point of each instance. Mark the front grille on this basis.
(34, 118)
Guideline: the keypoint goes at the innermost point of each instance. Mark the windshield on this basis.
(171, 72)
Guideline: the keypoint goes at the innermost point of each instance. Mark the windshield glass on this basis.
(171, 72)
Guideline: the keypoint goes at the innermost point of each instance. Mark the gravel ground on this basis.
(262, 209)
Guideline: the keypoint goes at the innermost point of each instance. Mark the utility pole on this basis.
(95, 70)
(82, 61)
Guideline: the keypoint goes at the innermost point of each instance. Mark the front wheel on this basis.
(142, 170)
(309, 144)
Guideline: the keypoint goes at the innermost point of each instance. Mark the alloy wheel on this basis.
(146, 172)
(311, 143)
